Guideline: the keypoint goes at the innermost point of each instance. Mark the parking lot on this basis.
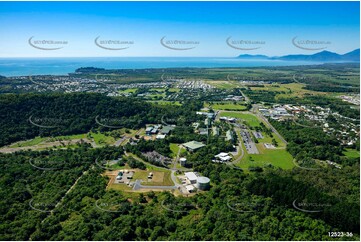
(248, 142)
(258, 135)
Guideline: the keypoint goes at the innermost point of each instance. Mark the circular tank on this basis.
(182, 161)
(203, 183)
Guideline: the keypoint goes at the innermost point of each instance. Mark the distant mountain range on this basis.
(320, 56)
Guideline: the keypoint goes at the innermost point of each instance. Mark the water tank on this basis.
(203, 183)
(183, 161)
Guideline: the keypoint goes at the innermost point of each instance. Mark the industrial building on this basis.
(166, 129)
(190, 188)
(232, 120)
(193, 145)
(192, 177)
(209, 115)
(223, 157)
(160, 136)
(203, 131)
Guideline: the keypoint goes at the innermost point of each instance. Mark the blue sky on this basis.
(272, 25)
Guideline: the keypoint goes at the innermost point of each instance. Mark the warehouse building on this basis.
(193, 145)
(192, 177)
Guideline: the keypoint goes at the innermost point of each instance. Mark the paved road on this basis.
(118, 142)
(245, 97)
(239, 148)
(138, 185)
(248, 142)
(124, 138)
(173, 176)
(260, 115)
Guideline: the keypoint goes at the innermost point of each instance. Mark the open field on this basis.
(268, 139)
(251, 119)
(239, 106)
(277, 157)
(161, 102)
(102, 139)
(160, 178)
(38, 140)
(129, 90)
(224, 84)
(352, 153)
(175, 148)
(31, 142)
(287, 90)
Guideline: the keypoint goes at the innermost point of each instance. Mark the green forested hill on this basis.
(28, 115)
(64, 114)
(67, 199)
(238, 206)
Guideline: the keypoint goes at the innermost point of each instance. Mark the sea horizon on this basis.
(24, 66)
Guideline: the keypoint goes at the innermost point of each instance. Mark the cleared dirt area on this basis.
(158, 179)
(158, 176)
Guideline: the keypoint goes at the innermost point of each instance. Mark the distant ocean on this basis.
(63, 66)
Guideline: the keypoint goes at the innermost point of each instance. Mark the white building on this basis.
(223, 157)
(190, 188)
(191, 176)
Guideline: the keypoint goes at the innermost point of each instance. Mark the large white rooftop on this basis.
(191, 176)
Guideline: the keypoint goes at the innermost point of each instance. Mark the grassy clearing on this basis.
(174, 89)
(352, 153)
(70, 137)
(268, 139)
(129, 90)
(39, 140)
(102, 139)
(31, 142)
(224, 84)
(251, 119)
(175, 148)
(161, 102)
(227, 106)
(120, 187)
(277, 157)
(289, 90)
(160, 178)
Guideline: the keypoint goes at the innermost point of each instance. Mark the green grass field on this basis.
(27, 143)
(69, 137)
(161, 102)
(175, 148)
(38, 140)
(268, 139)
(227, 106)
(129, 90)
(251, 119)
(102, 139)
(224, 84)
(277, 157)
(352, 153)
